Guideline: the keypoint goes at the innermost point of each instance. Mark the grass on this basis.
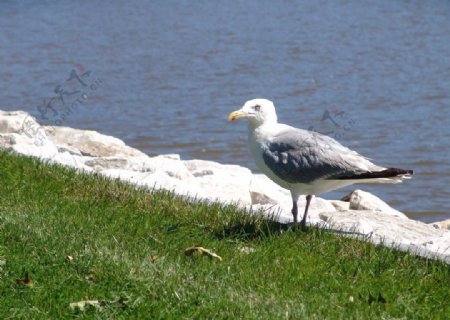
(127, 251)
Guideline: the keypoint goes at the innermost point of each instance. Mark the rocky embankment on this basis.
(361, 214)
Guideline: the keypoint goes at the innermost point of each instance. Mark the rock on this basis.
(387, 229)
(361, 200)
(340, 205)
(130, 176)
(223, 183)
(171, 156)
(21, 133)
(7, 141)
(442, 224)
(155, 181)
(65, 148)
(173, 168)
(90, 143)
(170, 165)
(265, 191)
(161, 180)
(226, 188)
(99, 164)
(25, 145)
(282, 212)
(72, 161)
(271, 211)
(212, 167)
(17, 122)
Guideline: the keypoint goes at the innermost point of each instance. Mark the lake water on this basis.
(374, 74)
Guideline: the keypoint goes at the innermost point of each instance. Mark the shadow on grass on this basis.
(247, 229)
(245, 225)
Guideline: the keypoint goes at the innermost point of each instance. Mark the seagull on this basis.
(305, 162)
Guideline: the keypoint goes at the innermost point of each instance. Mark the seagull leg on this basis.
(303, 222)
(295, 211)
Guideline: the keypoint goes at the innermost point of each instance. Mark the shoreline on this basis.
(364, 215)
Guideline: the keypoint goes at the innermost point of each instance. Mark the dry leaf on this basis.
(190, 251)
(83, 304)
(25, 281)
(69, 258)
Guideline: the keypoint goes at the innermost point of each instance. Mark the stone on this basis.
(65, 148)
(72, 161)
(161, 180)
(156, 180)
(390, 230)
(282, 212)
(21, 133)
(362, 200)
(173, 168)
(90, 143)
(340, 205)
(22, 144)
(223, 183)
(170, 165)
(16, 122)
(265, 191)
(171, 156)
(442, 224)
(99, 164)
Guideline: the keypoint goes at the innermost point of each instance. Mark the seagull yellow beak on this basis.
(236, 115)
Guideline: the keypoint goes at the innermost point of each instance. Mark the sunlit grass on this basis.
(82, 237)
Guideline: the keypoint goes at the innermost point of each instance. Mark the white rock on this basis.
(90, 143)
(17, 122)
(283, 214)
(385, 228)
(21, 133)
(223, 183)
(172, 167)
(124, 175)
(156, 180)
(70, 160)
(213, 167)
(364, 227)
(172, 156)
(161, 180)
(7, 141)
(265, 191)
(65, 148)
(99, 164)
(340, 205)
(442, 224)
(24, 145)
(440, 244)
(361, 200)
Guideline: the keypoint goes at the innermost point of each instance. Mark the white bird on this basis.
(305, 162)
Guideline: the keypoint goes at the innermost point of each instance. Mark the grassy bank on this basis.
(81, 237)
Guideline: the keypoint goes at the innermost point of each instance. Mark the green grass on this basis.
(128, 252)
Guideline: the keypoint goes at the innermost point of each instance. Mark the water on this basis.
(173, 70)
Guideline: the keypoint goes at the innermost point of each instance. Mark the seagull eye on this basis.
(257, 107)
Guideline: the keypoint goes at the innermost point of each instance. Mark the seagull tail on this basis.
(389, 175)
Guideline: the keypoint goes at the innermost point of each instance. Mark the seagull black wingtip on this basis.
(386, 173)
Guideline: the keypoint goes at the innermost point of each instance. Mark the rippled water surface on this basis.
(374, 74)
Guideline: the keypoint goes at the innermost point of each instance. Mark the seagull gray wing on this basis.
(301, 156)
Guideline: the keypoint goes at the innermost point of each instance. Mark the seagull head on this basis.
(256, 111)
